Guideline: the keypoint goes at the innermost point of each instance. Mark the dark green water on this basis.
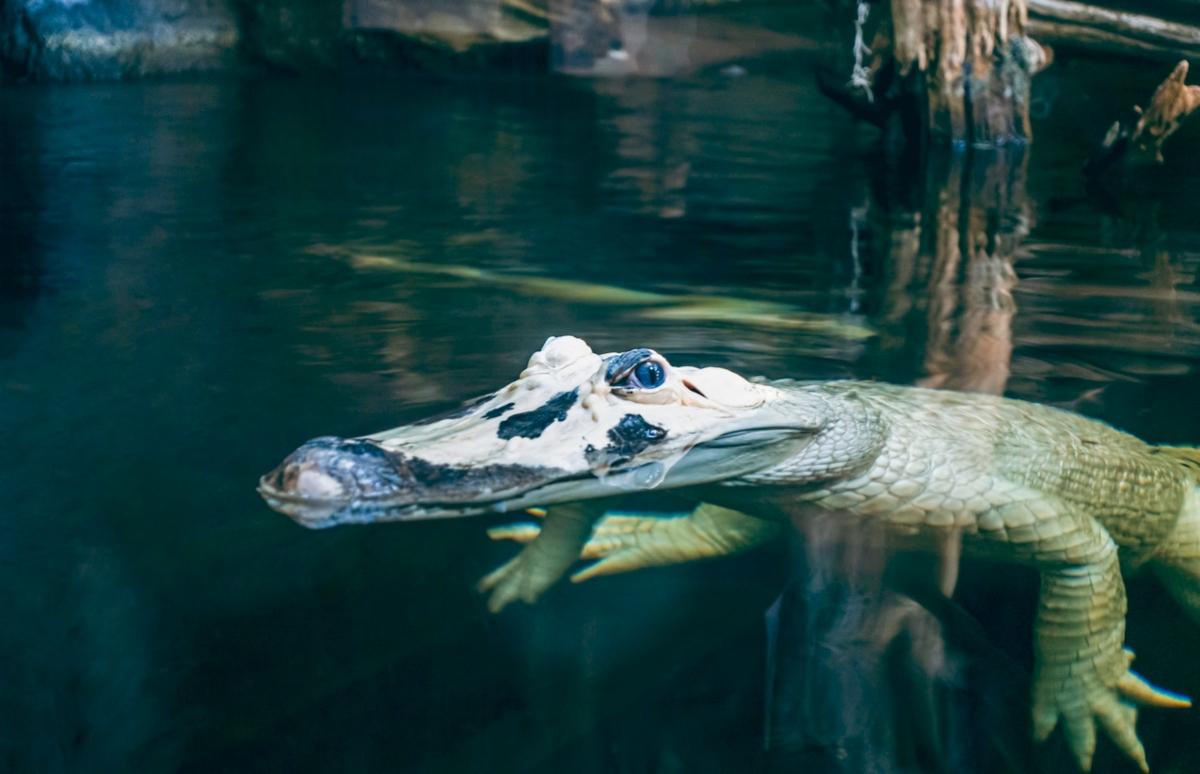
(197, 277)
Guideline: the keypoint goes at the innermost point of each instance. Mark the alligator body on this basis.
(1013, 480)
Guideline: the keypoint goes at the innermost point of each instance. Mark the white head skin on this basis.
(574, 425)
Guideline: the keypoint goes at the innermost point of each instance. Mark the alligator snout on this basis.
(332, 480)
(328, 473)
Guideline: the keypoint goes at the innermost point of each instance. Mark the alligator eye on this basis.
(649, 375)
(637, 369)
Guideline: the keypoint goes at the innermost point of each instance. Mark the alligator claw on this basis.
(1120, 723)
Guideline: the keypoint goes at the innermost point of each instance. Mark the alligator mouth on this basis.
(756, 436)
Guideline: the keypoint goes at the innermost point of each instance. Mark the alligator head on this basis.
(573, 426)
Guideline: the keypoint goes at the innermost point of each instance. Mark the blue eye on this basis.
(649, 375)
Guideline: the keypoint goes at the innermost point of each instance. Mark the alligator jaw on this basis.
(318, 513)
(330, 481)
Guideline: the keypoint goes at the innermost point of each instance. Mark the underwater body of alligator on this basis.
(1018, 481)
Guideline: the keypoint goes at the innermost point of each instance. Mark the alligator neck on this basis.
(851, 434)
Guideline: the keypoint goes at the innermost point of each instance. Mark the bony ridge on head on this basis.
(559, 351)
(594, 394)
(559, 354)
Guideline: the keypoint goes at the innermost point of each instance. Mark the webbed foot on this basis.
(523, 578)
(547, 555)
(1080, 699)
(622, 542)
(1081, 676)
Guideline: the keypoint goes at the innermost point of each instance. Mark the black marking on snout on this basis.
(498, 411)
(531, 424)
(627, 439)
(620, 364)
(378, 480)
(451, 483)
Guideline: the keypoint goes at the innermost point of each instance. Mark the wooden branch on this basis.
(1087, 26)
(1172, 102)
(1143, 139)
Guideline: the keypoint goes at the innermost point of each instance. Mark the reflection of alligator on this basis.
(1033, 484)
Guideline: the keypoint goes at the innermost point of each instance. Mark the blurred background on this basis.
(227, 227)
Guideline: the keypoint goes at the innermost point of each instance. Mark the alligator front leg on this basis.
(624, 542)
(545, 558)
(1081, 673)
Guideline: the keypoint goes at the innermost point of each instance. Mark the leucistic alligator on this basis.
(1031, 484)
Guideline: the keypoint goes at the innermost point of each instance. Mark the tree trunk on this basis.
(958, 70)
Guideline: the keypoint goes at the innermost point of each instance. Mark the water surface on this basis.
(198, 276)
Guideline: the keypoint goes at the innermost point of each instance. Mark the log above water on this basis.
(1089, 26)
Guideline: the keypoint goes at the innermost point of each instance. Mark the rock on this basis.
(107, 39)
